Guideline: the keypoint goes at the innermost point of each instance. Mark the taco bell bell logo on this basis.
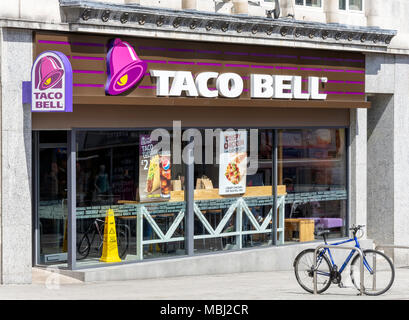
(51, 81)
(125, 69)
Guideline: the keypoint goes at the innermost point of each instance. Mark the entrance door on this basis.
(52, 204)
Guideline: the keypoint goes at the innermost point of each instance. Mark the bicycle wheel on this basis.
(123, 235)
(379, 272)
(303, 268)
(83, 247)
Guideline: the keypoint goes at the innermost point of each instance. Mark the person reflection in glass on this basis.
(81, 184)
(52, 180)
(127, 190)
(101, 181)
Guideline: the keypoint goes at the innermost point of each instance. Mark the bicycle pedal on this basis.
(341, 285)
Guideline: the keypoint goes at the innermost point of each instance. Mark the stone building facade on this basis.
(379, 153)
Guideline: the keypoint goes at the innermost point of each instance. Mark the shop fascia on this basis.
(230, 85)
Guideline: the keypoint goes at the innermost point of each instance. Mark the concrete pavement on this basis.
(277, 285)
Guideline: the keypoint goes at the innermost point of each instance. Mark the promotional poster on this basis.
(154, 172)
(233, 162)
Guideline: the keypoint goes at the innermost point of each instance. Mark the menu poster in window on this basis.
(233, 162)
(154, 172)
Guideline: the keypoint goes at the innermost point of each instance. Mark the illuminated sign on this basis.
(51, 83)
(126, 70)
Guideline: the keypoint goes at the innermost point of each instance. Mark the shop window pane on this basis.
(308, 3)
(247, 217)
(54, 136)
(312, 165)
(342, 4)
(313, 3)
(355, 5)
(52, 206)
(116, 171)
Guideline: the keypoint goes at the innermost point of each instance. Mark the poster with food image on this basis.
(233, 162)
(152, 184)
(165, 175)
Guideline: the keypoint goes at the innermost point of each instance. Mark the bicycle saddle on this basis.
(320, 233)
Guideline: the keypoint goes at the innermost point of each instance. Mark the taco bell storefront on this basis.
(277, 135)
(292, 108)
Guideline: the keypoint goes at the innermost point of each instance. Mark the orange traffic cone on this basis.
(110, 245)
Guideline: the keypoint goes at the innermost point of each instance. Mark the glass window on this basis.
(116, 175)
(308, 3)
(51, 202)
(351, 4)
(312, 165)
(52, 205)
(121, 181)
(355, 5)
(245, 215)
(59, 137)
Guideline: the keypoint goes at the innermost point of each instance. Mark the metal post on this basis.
(281, 220)
(348, 179)
(374, 273)
(72, 205)
(391, 246)
(189, 198)
(361, 265)
(239, 224)
(36, 197)
(274, 180)
(139, 234)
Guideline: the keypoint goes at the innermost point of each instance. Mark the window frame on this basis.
(71, 177)
(321, 7)
(347, 7)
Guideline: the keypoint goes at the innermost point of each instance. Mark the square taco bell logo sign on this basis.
(51, 83)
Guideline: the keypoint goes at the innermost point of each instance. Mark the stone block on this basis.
(170, 4)
(379, 73)
(40, 10)
(9, 9)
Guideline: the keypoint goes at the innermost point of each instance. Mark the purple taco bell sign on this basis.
(51, 83)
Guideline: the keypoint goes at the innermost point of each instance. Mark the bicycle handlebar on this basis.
(358, 227)
(355, 229)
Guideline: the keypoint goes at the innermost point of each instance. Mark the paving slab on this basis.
(277, 285)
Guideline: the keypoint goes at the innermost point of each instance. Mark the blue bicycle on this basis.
(379, 272)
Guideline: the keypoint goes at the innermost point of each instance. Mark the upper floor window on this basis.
(355, 5)
(308, 3)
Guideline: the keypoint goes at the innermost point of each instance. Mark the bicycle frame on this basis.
(351, 254)
(97, 231)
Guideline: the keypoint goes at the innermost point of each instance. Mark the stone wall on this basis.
(389, 14)
(15, 63)
(388, 152)
(358, 167)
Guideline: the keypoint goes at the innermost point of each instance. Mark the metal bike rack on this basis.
(390, 246)
(386, 246)
(361, 269)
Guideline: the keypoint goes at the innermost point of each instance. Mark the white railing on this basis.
(239, 206)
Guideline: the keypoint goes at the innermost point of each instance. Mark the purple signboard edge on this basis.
(26, 92)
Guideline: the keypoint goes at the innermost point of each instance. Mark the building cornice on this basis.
(85, 13)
